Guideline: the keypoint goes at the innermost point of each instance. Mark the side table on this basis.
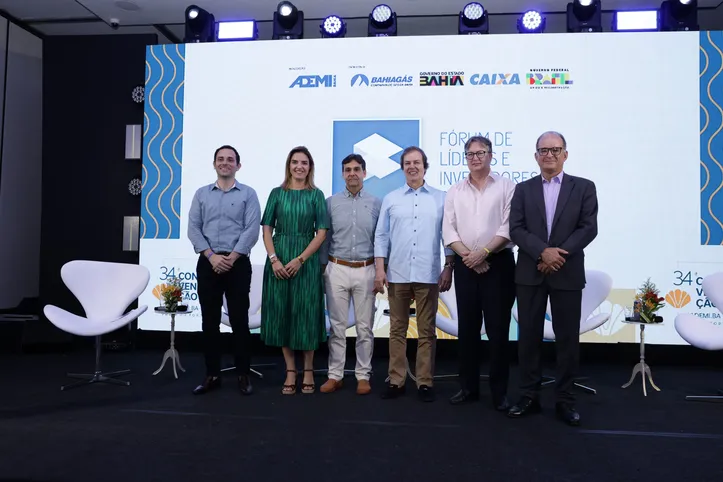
(642, 367)
(172, 353)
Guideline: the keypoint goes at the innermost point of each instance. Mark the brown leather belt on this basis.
(352, 264)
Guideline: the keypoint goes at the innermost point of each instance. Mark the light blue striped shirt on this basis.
(224, 221)
(409, 234)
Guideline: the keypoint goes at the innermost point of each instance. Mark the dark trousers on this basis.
(236, 285)
(565, 311)
(485, 297)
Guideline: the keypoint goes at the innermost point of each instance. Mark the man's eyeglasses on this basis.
(480, 154)
(556, 151)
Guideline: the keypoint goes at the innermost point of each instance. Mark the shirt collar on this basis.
(407, 188)
(558, 177)
(348, 194)
(491, 176)
(236, 185)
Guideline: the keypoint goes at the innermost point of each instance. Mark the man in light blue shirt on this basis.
(409, 239)
(223, 226)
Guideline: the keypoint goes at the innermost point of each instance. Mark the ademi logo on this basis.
(380, 142)
(361, 80)
(313, 81)
(494, 79)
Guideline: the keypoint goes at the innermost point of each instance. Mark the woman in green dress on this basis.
(292, 307)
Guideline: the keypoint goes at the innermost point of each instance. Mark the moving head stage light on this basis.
(200, 26)
(584, 16)
(288, 22)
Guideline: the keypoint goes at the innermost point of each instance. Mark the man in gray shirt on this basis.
(223, 225)
(349, 249)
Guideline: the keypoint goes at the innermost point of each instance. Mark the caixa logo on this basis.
(313, 81)
(495, 79)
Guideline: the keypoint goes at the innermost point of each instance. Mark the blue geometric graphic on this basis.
(380, 142)
(163, 142)
(711, 140)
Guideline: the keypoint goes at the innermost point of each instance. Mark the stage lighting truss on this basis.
(473, 20)
(288, 22)
(531, 21)
(333, 26)
(584, 16)
(200, 26)
(679, 15)
(382, 22)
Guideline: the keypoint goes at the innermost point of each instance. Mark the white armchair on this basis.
(700, 332)
(597, 288)
(255, 297)
(105, 290)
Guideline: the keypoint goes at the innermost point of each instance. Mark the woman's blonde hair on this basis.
(309, 177)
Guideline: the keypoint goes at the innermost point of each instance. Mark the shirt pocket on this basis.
(235, 210)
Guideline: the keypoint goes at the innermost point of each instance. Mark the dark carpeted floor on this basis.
(156, 430)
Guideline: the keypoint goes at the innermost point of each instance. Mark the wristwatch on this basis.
(449, 264)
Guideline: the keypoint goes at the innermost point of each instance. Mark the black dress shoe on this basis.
(526, 406)
(244, 385)
(464, 396)
(209, 384)
(392, 391)
(503, 405)
(567, 414)
(425, 393)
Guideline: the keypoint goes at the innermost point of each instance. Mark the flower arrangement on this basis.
(647, 302)
(172, 294)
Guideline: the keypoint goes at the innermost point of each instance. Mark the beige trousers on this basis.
(345, 287)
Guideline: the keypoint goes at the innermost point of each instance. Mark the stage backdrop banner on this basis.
(641, 113)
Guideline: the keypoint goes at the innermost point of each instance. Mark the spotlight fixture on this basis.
(333, 26)
(288, 22)
(473, 20)
(200, 26)
(584, 16)
(679, 15)
(531, 22)
(382, 22)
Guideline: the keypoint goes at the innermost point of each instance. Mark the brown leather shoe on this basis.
(363, 387)
(331, 385)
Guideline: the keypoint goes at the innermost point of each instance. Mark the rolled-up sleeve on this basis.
(381, 235)
(504, 229)
(449, 221)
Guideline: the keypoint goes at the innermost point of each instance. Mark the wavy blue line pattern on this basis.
(711, 138)
(163, 142)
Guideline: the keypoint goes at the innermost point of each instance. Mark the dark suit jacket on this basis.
(573, 229)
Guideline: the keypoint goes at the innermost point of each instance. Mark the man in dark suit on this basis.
(553, 218)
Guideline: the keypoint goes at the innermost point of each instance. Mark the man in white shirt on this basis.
(409, 237)
(476, 227)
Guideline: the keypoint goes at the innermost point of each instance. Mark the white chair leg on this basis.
(706, 398)
(252, 371)
(97, 376)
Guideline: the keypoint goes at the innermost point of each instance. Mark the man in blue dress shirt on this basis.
(408, 239)
(223, 226)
